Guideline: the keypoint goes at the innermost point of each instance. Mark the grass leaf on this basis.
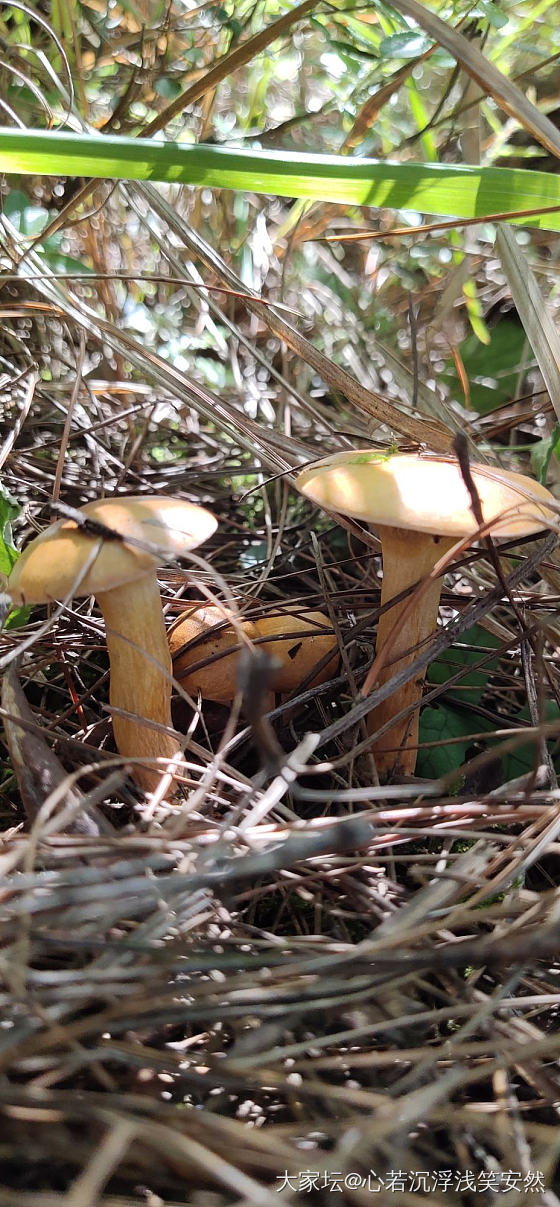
(462, 191)
(494, 83)
(533, 312)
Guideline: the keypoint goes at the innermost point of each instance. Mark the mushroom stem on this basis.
(408, 557)
(140, 674)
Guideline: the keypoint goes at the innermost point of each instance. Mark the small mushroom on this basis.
(300, 641)
(204, 646)
(120, 570)
(420, 507)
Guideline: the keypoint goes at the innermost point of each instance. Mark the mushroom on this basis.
(204, 647)
(420, 507)
(115, 559)
(300, 641)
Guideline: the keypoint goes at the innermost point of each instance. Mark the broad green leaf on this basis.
(493, 14)
(439, 722)
(27, 218)
(492, 369)
(464, 190)
(17, 617)
(458, 656)
(30, 220)
(522, 760)
(166, 88)
(57, 261)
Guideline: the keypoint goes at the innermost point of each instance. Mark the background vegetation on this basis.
(297, 983)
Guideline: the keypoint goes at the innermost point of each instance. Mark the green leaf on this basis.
(492, 369)
(351, 51)
(458, 656)
(474, 312)
(8, 512)
(57, 261)
(439, 722)
(542, 452)
(522, 760)
(465, 190)
(166, 88)
(493, 14)
(18, 617)
(404, 46)
(29, 220)
(9, 509)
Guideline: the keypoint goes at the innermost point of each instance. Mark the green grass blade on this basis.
(538, 321)
(456, 191)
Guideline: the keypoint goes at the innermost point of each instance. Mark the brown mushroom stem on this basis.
(408, 557)
(140, 674)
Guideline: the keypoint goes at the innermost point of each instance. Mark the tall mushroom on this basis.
(419, 506)
(115, 559)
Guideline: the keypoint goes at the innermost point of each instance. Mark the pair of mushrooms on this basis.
(420, 508)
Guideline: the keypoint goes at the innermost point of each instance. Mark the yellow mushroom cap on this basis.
(303, 640)
(425, 494)
(208, 631)
(153, 529)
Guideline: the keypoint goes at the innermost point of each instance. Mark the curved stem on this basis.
(408, 557)
(140, 674)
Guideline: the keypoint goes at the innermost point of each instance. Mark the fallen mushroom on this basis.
(205, 643)
(205, 634)
(115, 559)
(420, 507)
(303, 643)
